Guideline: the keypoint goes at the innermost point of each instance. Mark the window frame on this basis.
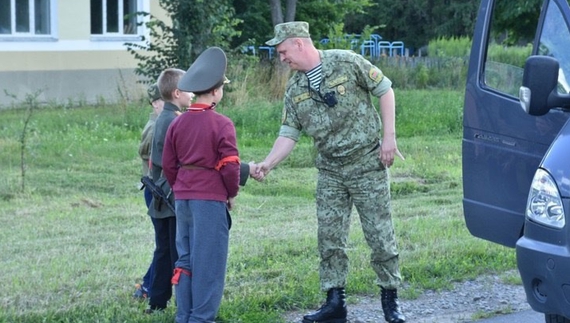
(120, 36)
(499, 76)
(32, 36)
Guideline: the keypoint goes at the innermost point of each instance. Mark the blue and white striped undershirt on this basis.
(315, 76)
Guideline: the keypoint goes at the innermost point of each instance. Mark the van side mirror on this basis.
(539, 91)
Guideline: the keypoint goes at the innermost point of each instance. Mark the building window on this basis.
(113, 17)
(25, 17)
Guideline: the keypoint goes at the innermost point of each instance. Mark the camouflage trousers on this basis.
(365, 185)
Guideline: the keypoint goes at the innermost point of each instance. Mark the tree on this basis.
(277, 12)
(194, 26)
(260, 16)
(452, 18)
(416, 22)
(324, 14)
(517, 20)
(255, 26)
(231, 24)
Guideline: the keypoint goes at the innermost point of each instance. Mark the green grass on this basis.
(77, 239)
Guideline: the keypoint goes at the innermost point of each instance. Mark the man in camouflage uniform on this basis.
(329, 98)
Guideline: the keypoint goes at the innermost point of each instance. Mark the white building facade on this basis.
(70, 51)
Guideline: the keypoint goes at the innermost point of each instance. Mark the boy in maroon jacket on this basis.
(201, 162)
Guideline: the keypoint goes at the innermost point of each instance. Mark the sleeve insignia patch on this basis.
(375, 74)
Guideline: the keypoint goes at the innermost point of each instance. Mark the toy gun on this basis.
(157, 193)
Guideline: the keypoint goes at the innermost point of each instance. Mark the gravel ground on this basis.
(483, 297)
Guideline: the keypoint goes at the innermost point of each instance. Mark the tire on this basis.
(555, 318)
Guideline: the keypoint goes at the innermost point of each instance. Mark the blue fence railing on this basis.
(373, 47)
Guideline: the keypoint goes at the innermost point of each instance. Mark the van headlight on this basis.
(544, 204)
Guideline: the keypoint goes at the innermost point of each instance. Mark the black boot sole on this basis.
(326, 321)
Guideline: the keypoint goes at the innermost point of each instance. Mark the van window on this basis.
(507, 52)
(555, 41)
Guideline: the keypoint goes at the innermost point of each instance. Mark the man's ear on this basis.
(299, 43)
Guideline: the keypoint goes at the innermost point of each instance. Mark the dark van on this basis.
(516, 144)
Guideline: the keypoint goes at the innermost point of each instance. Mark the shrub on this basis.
(450, 47)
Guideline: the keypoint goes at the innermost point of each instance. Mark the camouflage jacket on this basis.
(349, 129)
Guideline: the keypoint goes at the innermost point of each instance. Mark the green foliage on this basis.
(516, 21)
(255, 22)
(424, 72)
(432, 111)
(509, 55)
(505, 67)
(253, 81)
(195, 25)
(337, 38)
(450, 47)
(30, 102)
(257, 26)
(452, 18)
(321, 15)
(422, 76)
(416, 22)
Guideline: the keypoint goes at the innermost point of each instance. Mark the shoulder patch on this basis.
(375, 74)
(301, 97)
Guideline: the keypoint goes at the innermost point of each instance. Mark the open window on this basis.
(507, 49)
(554, 42)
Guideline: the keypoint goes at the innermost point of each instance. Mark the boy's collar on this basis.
(171, 106)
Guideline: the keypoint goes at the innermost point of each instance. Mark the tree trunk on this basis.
(276, 12)
(291, 9)
(282, 70)
(430, 13)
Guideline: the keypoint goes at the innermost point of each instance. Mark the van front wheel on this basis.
(554, 318)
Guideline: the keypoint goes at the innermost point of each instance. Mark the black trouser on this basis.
(165, 256)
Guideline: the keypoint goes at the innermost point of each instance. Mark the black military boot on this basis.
(333, 311)
(392, 312)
